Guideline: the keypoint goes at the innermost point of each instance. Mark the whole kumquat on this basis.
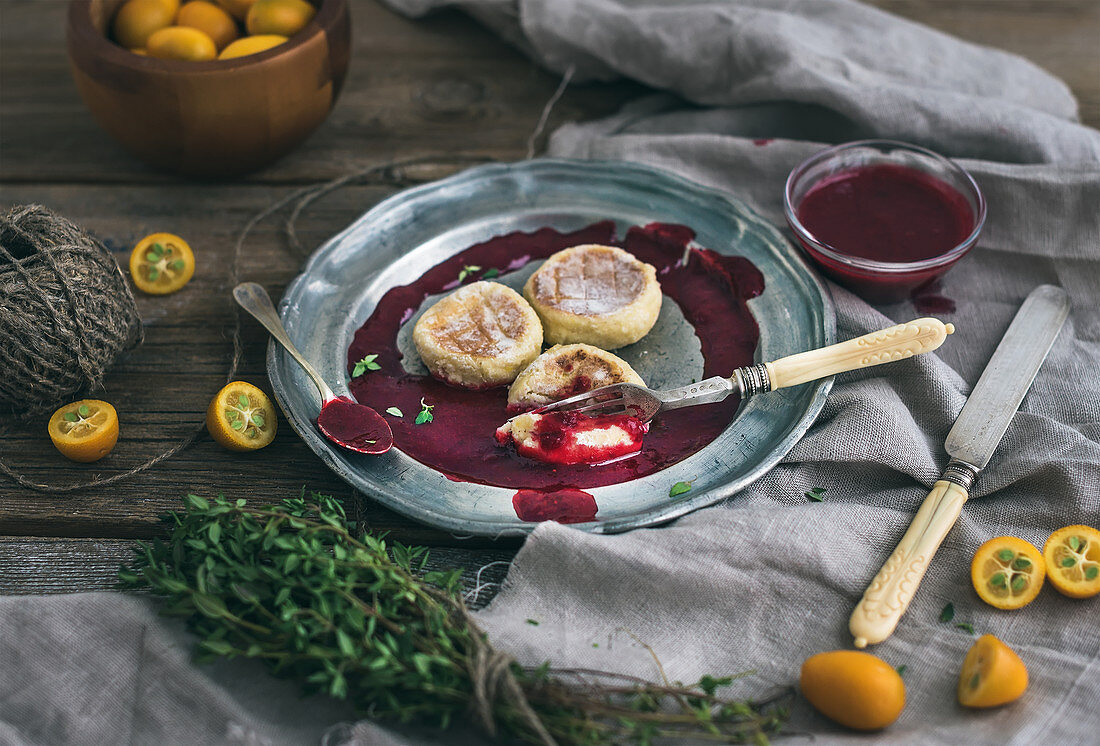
(136, 21)
(181, 43)
(282, 17)
(251, 45)
(237, 8)
(853, 688)
(211, 19)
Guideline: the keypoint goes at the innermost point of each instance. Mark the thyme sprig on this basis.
(294, 585)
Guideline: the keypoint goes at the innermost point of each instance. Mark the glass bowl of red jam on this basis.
(883, 218)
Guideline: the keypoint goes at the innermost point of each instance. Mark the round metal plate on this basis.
(400, 238)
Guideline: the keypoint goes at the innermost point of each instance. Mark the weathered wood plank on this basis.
(36, 565)
(162, 388)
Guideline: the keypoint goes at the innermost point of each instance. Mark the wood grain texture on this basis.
(36, 565)
(440, 85)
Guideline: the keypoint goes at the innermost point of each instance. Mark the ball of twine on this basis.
(66, 311)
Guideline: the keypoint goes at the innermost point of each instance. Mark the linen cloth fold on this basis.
(746, 90)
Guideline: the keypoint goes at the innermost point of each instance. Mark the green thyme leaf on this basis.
(490, 273)
(965, 625)
(679, 488)
(901, 669)
(366, 364)
(815, 494)
(468, 270)
(533, 622)
(425, 416)
(948, 612)
(394, 411)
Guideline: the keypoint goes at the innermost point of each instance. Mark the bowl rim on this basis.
(871, 265)
(81, 31)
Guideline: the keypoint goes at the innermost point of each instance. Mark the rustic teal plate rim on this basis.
(410, 231)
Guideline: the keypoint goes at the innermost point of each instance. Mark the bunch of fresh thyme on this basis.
(294, 586)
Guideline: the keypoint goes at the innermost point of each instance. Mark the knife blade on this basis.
(977, 431)
(1006, 379)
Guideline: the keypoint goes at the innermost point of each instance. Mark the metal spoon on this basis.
(346, 423)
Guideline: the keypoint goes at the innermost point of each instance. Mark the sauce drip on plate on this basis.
(710, 288)
(564, 505)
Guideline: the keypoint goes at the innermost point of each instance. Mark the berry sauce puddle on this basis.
(711, 290)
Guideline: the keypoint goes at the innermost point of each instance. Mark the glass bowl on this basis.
(897, 218)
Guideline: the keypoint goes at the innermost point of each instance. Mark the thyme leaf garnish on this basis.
(425, 416)
(366, 364)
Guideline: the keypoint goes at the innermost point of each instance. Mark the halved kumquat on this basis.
(85, 430)
(1072, 557)
(992, 674)
(1007, 572)
(241, 417)
(161, 263)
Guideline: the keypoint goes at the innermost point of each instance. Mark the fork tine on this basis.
(603, 395)
(603, 408)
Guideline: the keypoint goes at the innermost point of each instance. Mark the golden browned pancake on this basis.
(479, 336)
(564, 370)
(597, 295)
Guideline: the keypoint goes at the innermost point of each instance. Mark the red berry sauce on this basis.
(711, 290)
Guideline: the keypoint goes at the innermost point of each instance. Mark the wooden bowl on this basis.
(216, 118)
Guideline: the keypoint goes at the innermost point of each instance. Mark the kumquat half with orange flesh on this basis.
(1072, 557)
(85, 430)
(241, 417)
(992, 674)
(1007, 572)
(161, 263)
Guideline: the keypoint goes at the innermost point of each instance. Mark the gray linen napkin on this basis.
(767, 578)
(752, 87)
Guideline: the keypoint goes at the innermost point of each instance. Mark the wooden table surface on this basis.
(442, 85)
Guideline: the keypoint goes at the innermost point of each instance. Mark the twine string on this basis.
(492, 679)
